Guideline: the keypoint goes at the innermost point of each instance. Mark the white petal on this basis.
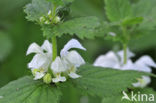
(34, 48)
(74, 75)
(112, 34)
(143, 68)
(136, 84)
(75, 58)
(59, 79)
(146, 60)
(129, 54)
(73, 43)
(47, 46)
(108, 60)
(128, 66)
(38, 61)
(57, 66)
(145, 81)
(39, 75)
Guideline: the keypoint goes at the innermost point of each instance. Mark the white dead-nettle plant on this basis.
(64, 65)
(115, 61)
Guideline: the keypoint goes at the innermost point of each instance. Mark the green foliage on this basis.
(132, 21)
(5, 45)
(26, 90)
(117, 10)
(60, 2)
(146, 9)
(83, 27)
(105, 82)
(37, 8)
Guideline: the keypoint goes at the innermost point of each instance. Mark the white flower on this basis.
(42, 59)
(115, 60)
(58, 67)
(142, 82)
(68, 62)
(72, 59)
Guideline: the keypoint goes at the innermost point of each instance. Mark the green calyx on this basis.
(47, 78)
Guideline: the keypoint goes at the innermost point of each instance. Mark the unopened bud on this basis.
(57, 19)
(47, 78)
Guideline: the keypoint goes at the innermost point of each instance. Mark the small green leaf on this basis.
(132, 21)
(105, 82)
(37, 8)
(117, 10)
(83, 27)
(26, 90)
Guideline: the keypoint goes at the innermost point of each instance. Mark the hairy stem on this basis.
(54, 43)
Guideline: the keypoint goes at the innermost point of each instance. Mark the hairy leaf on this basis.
(83, 27)
(117, 10)
(105, 81)
(146, 9)
(26, 90)
(132, 21)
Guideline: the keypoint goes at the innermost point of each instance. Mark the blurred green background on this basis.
(16, 34)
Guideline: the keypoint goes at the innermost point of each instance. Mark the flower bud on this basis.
(42, 19)
(57, 19)
(47, 78)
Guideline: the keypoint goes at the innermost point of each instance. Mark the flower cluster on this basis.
(115, 60)
(50, 18)
(55, 71)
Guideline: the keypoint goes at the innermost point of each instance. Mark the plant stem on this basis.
(125, 53)
(54, 43)
(124, 30)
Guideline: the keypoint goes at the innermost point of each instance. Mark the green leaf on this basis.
(146, 9)
(83, 27)
(5, 45)
(26, 90)
(105, 81)
(37, 8)
(132, 21)
(117, 10)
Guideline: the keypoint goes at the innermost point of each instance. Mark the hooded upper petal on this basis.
(74, 58)
(73, 43)
(146, 60)
(34, 48)
(108, 60)
(39, 61)
(47, 46)
(57, 66)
